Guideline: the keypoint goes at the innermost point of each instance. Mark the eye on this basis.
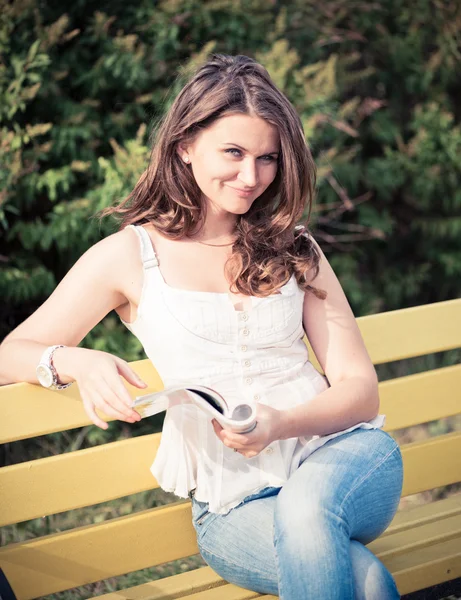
(233, 152)
(268, 158)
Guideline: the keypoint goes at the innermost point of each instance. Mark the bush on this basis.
(374, 83)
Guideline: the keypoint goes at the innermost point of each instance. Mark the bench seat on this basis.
(421, 547)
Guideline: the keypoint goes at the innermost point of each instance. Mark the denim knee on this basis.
(372, 581)
(306, 526)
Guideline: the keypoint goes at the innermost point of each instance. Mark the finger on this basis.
(90, 411)
(230, 445)
(222, 434)
(217, 427)
(107, 408)
(229, 439)
(235, 440)
(94, 417)
(112, 398)
(250, 454)
(127, 373)
(122, 395)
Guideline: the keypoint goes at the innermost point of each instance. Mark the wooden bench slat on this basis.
(426, 566)
(78, 479)
(87, 554)
(175, 586)
(422, 568)
(47, 411)
(419, 330)
(419, 536)
(95, 475)
(420, 398)
(30, 410)
(226, 592)
(438, 558)
(426, 513)
(432, 463)
(162, 534)
(166, 534)
(416, 516)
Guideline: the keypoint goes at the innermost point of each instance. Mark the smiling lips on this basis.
(243, 193)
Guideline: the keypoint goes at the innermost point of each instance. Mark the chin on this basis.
(239, 206)
(239, 210)
(235, 208)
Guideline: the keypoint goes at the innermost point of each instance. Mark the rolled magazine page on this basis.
(241, 419)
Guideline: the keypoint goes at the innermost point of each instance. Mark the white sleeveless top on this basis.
(255, 355)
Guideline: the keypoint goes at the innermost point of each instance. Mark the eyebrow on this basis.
(245, 150)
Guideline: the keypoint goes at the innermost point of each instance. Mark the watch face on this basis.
(44, 375)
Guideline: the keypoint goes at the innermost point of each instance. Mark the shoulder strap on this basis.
(149, 258)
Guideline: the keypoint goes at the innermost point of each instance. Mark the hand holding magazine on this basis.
(241, 419)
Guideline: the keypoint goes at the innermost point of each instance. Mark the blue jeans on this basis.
(306, 540)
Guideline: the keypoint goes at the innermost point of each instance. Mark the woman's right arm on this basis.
(90, 290)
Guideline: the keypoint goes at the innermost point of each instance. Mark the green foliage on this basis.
(374, 83)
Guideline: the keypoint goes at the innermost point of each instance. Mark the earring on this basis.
(186, 159)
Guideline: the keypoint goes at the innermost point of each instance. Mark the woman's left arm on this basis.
(353, 393)
(337, 342)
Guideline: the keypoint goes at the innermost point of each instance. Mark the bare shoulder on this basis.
(117, 245)
(117, 256)
(108, 275)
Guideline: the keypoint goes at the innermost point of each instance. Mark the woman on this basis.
(211, 273)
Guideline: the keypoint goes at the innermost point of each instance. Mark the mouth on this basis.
(243, 193)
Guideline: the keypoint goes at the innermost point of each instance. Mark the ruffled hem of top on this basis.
(175, 471)
(174, 483)
(226, 508)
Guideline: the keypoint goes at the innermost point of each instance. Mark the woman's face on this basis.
(234, 161)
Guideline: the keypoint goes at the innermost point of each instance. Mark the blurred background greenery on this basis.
(376, 83)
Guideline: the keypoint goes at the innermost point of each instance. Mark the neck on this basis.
(218, 228)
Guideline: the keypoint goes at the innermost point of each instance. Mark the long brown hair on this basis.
(268, 248)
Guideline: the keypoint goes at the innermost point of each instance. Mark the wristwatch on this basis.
(46, 373)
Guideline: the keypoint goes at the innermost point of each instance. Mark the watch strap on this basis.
(47, 359)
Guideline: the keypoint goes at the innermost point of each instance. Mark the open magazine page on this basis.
(242, 418)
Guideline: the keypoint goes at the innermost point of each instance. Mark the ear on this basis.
(183, 152)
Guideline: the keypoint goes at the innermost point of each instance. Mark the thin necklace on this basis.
(216, 245)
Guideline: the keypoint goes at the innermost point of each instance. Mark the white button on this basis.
(256, 397)
(269, 450)
(246, 331)
(243, 348)
(248, 380)
(247, 363)
(245, 317)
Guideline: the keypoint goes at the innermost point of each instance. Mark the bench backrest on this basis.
(86, 477)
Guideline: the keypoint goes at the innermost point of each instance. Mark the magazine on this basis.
(241, 419)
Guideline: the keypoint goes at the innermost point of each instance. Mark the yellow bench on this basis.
(422, 546)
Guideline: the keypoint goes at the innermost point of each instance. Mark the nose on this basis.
(248, 173)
